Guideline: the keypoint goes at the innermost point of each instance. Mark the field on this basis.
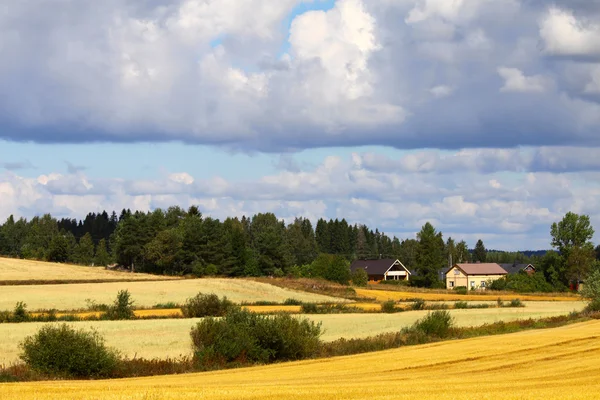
(560, 363)
(147, 294)
(14, 270)
(170, 338)
(383, 295)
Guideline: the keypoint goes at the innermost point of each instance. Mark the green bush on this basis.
(20, 313)
(418, 304)
(309, 308)
(516, 303)
(436, 324)
(360, 277)
(204, 305)
(278, 273)
(122, 307)
(388, 307)
(461, 305)
(62, 351)
(211, 270)
(241, 337)
(460, 289)
(292, 302)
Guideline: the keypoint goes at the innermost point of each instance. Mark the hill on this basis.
(550, 364)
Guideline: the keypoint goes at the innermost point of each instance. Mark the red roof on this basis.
(482, 269)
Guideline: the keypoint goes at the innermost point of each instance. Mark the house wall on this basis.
(455, 277)
(460, 279)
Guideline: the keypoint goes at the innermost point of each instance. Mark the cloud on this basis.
(16, 165)
(566, 35)
(486, 161)
(406, 74)
(74, 169)
(516, 81)
(462, 202)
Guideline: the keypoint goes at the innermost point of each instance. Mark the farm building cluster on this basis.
(470, 275)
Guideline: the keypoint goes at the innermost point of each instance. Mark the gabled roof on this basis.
(376, 267)
(480, 269)
(514, 268)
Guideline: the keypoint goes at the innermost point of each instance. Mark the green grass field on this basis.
(170, 338)
(146, 294)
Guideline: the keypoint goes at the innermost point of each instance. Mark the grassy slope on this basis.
(146, 294)
(383, 295)
(170, 338)
(28, 270)
(560, 363)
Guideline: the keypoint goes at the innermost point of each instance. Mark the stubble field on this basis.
(14, 270)
(170, 338)
(560, 363)
(147, 294)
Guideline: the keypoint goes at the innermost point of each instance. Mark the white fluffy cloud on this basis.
(407, 73)
(462, 202)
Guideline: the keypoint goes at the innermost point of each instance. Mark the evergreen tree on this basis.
(84, 251)
(462, 253)
(102, 257)
(323, 236)
(362, 249)
(430, 256)
(58, 249)
(480, 253)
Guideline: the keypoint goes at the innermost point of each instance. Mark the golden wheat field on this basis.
(147, 294)
(560, 363)
(170, 338)
(28, 270)
(383, 295)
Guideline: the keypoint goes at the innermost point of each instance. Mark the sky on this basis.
(479, 116)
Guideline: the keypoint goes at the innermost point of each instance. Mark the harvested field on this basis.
(170, 338)
(15, 271)
(559, 363)
(383, 295)
(147, 294)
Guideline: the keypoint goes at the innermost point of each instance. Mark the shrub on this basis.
(278, 273)
(436, 323)
(461, 305)
(65, 352)
(360, 277)
(516, 303)
(20, 313)
(292, 302)
(204, 305)
(309, 308)
(166, 306)
(591, 291)
(211, 270)
(418, 304)
(388, 306)
(198, 269)
(500, 302)
(460, 289)
(122, 307)
(241, 336)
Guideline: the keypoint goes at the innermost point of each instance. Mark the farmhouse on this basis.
(515, 268)
(473, 276)
(382, 269)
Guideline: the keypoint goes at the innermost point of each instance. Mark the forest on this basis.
(179, 242)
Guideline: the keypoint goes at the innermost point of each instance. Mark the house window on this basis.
(456, 272)
(482, 283)
(472, 284)
(451, 284)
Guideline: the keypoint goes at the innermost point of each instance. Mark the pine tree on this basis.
(430, 256)
(84, 251)
(480, 253)
(102, 257)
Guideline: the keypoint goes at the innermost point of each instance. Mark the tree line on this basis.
(178, 242)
